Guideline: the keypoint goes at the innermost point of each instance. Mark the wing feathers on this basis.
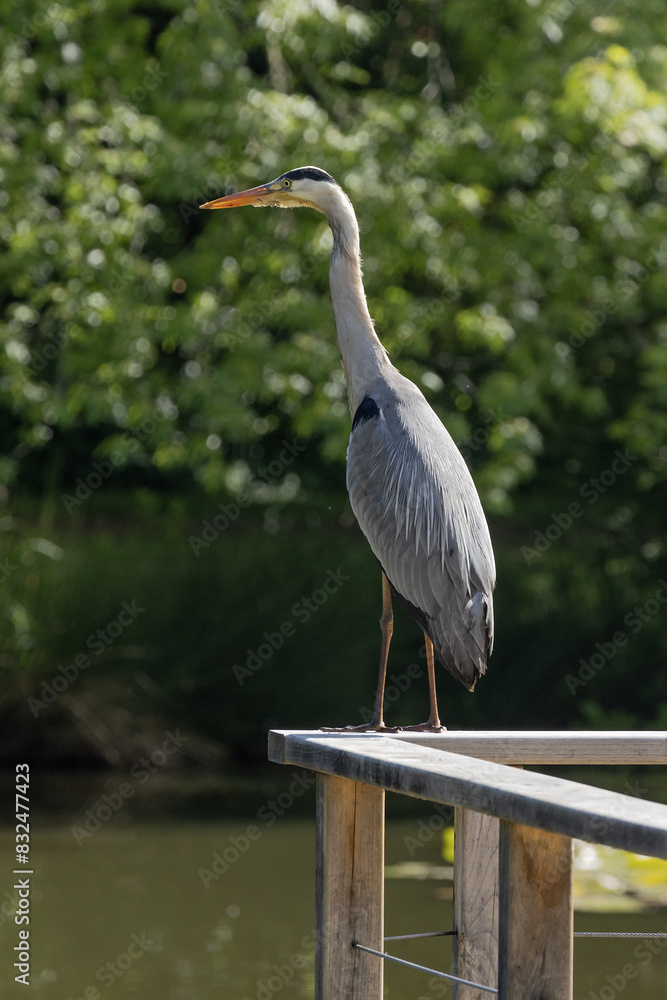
(416, 503)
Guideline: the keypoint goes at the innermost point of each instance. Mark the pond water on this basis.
(152, 910)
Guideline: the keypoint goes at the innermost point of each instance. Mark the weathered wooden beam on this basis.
(475, 947)
(535, 903)
(527, 747)
(349, 889)
(539, 800)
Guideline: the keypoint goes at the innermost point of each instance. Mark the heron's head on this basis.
(305, 187)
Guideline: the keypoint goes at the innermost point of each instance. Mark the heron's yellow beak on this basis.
(253, 196)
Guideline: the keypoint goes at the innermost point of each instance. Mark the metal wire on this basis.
(425, 934)
(467, 982)
(613, 934)
(620, 934)
(424, 968)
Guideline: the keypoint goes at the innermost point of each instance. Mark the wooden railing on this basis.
(513, 917)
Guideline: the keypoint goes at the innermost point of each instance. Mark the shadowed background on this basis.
(174, 419)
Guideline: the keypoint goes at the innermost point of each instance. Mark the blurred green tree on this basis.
(507, 164)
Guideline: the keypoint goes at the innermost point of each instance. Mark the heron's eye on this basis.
(287, 183)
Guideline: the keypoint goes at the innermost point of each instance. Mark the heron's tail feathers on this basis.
(462, 632)
(464, 641)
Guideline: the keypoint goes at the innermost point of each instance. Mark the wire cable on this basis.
(424, 968)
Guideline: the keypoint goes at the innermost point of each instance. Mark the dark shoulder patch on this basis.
(312, 173)
(366, 410)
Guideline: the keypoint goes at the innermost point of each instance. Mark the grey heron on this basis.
(409, 487)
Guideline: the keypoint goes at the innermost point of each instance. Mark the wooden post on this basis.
(350, 889)
(536, 922)
(475, 947)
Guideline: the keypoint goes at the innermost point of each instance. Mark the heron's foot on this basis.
(426, 727)
(370, 727)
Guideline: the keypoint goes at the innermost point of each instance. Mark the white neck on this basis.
(363, 356)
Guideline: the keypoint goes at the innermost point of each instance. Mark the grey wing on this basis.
(415, 501)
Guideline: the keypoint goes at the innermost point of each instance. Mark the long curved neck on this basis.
(363, 356)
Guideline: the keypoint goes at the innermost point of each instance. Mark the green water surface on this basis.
(167, 910)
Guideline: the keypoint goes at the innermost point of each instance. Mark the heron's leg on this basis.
(433, 719)
(387, 626)
(433, 724)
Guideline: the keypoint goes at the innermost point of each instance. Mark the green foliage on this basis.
(507, 164)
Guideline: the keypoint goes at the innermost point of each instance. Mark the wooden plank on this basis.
(475, 947)
(536, 924)
(553, 804)
(349, 889)
(524, 747)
